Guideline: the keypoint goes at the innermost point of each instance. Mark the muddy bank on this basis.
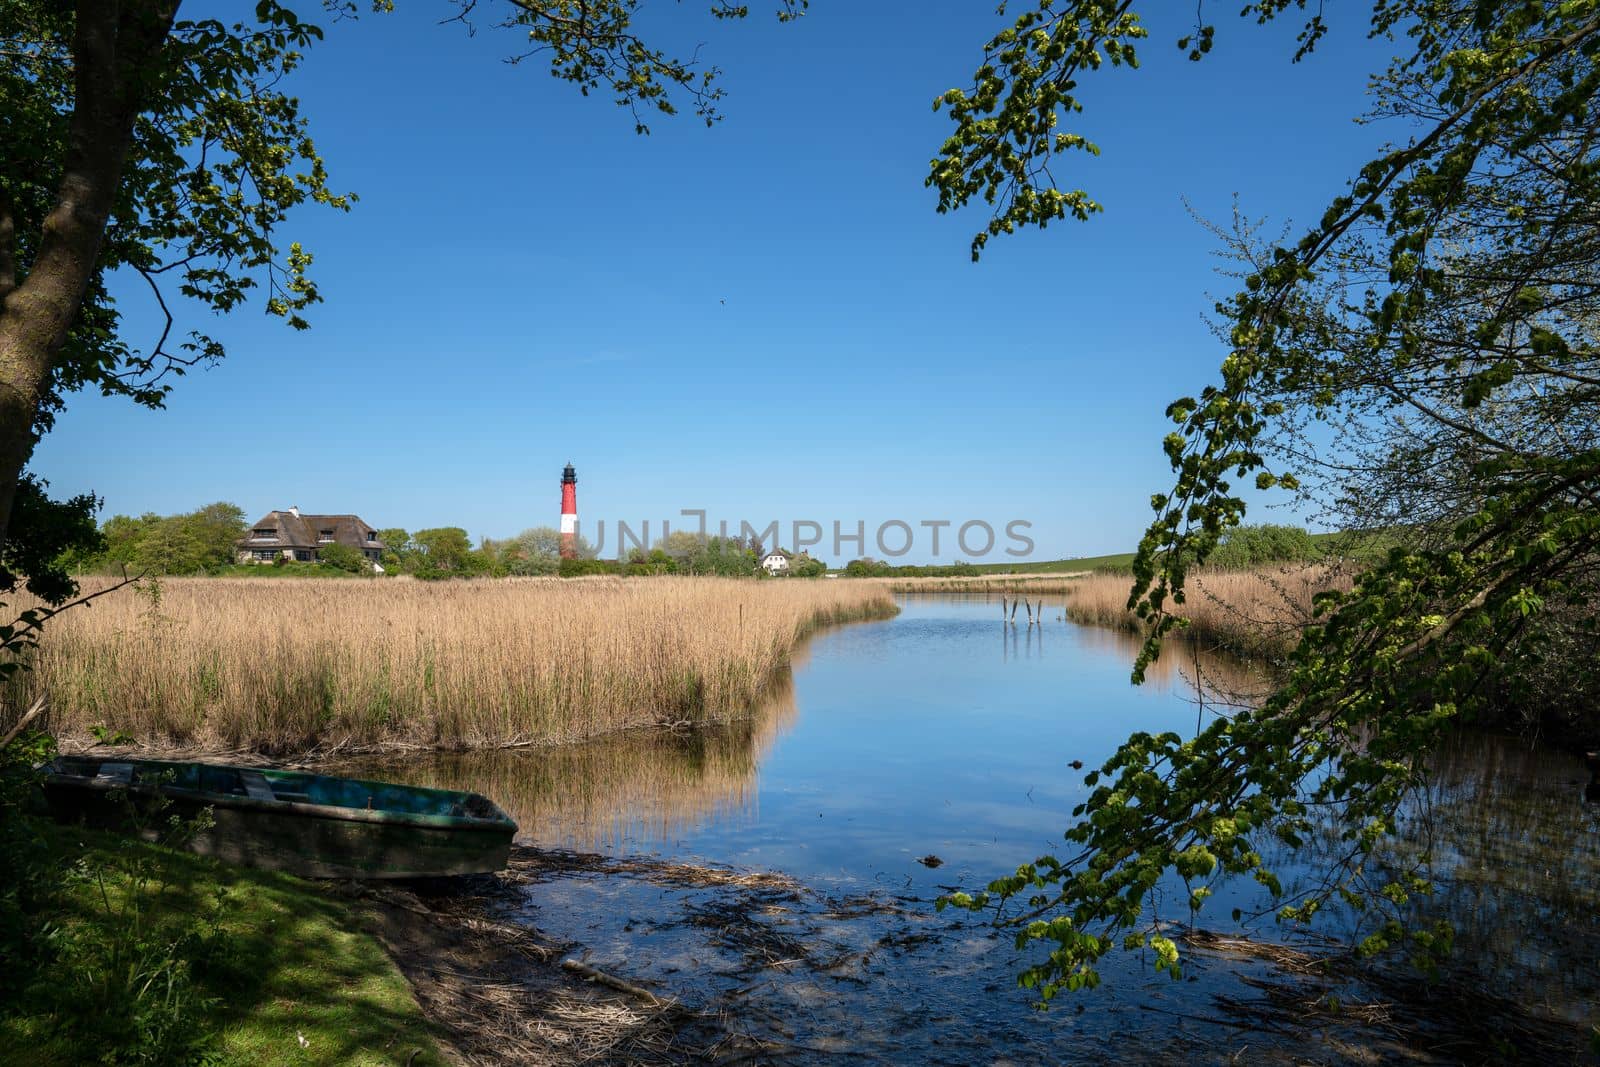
(502, 992)
(498, 995)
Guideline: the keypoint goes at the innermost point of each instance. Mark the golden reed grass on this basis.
(1256, 612)
(283, 665)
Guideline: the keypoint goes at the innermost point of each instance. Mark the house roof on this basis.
(784, 552)
(305, 531)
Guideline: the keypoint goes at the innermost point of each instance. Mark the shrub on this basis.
(344, 558)
(580, 568)
(1253, 546)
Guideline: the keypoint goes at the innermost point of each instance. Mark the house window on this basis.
(302, 555)
(324, 536)
(372, 535)
(263, 535)
(264, 553)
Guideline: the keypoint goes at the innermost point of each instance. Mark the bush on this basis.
(804, 566)
(344, 558)
(29, 877)
(1255, 546)
(579, 568)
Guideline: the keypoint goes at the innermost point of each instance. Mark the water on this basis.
(944, 733)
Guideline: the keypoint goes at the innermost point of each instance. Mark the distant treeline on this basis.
(537, 552)
(197, 542)
(1247, 546)
(1240, 549)
(206, 541)
(867, 567)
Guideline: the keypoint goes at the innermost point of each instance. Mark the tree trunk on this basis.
(112, 49)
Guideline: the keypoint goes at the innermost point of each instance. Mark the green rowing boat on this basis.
(312, 825)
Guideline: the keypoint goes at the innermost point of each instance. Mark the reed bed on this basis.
(1258, 613)
(1024, 584)
(286, 666)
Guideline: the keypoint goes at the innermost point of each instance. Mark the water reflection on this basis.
(1516, 853)
(642, 788)
(1224, 680)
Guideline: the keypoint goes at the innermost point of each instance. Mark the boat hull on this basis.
(310, 840)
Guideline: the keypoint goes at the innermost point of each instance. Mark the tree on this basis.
(121, 536)
(344, 558)
(532, 552)
(217, 529)
(50, 532)
(206, 539)
(1445, 310)
(867, 567)
(1263, 543)
(805, 566)
(679, 552)
(396, 547)
(168, 546)
(443, 551)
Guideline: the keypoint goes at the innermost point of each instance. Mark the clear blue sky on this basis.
(766, 319)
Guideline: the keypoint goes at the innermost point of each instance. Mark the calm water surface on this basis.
(944, 732)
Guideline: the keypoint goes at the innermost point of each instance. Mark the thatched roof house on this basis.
(292, 535)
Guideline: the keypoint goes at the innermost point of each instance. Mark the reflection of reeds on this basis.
(638, 787)
(1258, 613)
(1225, 680)
(277, 665)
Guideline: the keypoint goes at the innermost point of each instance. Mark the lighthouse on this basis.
(569, 513)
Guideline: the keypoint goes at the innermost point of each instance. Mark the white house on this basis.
(776, 562)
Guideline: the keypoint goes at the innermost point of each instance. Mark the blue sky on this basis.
(766, 320)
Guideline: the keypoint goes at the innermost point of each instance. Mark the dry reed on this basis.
(279, 666)
(1025, 584)
(1256, 612)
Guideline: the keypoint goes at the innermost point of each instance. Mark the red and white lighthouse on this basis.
(569, 513)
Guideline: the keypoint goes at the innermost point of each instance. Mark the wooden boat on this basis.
(307, 824)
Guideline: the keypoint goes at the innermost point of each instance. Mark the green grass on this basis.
(1363, 545)
(295, 981)
(288, 570)
(1118, 561)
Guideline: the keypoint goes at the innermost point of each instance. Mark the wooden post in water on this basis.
(1013, 613)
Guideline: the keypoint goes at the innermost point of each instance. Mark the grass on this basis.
(1356, 544)
(299, 983)
(281, 666)
(1120, 561)
(1256, 612)
(288, 570)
